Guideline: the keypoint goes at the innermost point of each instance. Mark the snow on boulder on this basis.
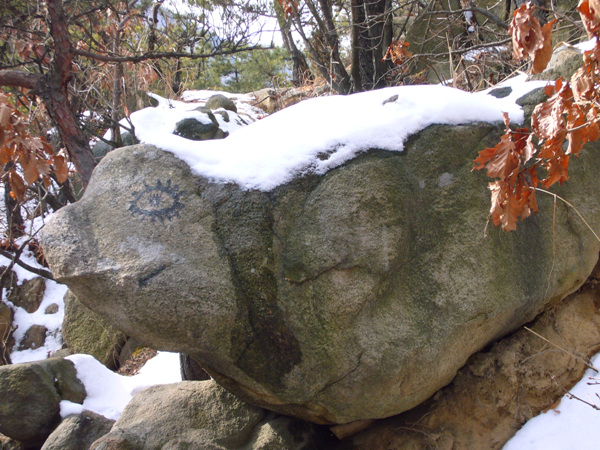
(337, 291)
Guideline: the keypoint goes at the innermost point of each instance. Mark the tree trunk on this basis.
(52, 88)
(14, 219)
(371, 36)
(300, 71)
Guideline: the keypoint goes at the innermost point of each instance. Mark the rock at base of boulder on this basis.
(201, 414)
(86, 332)
(31, 394)
(193, 413)
(78, 431)
(6, 331)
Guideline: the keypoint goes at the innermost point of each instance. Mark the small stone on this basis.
(195, 130)
(34, 338)
(51, 309)
(29, 295)
(501, 92)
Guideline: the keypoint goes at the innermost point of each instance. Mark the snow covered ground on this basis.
(270, 152)
(571, 425)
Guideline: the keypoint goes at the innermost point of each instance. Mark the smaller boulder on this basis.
(51, 309)
(530, 100)
(201, 414)
(31, 394)
(29, 295)
(189, 414)
(220, 101)
(78, 431)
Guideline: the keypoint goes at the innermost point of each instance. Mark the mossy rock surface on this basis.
(31, 394)
(84, 331)
(351, 295)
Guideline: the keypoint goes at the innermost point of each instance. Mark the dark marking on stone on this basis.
(161, 201)
(146, 279)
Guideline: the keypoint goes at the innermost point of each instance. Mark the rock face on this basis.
(351, 295)
(31, 394)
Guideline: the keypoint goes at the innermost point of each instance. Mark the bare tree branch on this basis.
(483, 12)
(160, 55)
(41, 272)
(19, 78)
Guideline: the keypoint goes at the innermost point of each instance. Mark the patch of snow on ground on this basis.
(571, 425)
(54, 294)
(108, 392)
(294, 141)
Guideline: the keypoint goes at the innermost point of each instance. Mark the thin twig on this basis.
(587, 364)
(574, 397)
(575, 209)
(41, 272)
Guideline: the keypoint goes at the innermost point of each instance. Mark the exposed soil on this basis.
(133, 365)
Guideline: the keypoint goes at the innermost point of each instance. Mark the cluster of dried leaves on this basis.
(397, 52)
(24, 158)
(289, 7)
(526, 158)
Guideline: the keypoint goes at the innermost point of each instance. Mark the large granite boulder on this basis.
(350, 295)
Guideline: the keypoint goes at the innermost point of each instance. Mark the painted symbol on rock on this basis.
(160, 201)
